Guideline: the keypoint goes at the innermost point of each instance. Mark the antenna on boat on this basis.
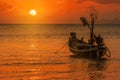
(94, 13)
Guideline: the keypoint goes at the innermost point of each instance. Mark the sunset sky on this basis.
(58, 11)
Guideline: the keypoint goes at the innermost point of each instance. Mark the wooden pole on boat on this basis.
(90, 27)
(92, 30)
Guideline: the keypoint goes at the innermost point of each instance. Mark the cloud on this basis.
(100, 1)
(4, 6)
(107, 1)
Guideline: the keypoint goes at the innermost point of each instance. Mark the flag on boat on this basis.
(84, 21)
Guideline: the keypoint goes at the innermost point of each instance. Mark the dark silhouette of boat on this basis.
(94, 48)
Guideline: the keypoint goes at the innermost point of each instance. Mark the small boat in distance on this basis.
(94, 48)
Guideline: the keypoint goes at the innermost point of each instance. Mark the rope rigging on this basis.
(61, 47)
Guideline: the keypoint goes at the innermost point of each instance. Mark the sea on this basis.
(40, 52)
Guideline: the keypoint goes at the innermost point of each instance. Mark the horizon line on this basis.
(59, 24)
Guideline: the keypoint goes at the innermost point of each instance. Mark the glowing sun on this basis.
(32, 12)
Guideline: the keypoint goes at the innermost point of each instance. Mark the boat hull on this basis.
(86, 50)
(81, 48)
(96, 53)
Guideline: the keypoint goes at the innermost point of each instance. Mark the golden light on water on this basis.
(33, 12)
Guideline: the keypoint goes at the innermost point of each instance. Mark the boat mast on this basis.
(92, 29)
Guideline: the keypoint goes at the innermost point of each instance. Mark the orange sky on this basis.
(57, 11)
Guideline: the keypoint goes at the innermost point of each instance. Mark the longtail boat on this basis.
(95, 46)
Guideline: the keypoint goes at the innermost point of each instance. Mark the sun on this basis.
(33, 12)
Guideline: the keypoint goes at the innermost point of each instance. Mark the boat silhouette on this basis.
(95, 46)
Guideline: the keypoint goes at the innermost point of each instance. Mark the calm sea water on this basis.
(28, 52)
